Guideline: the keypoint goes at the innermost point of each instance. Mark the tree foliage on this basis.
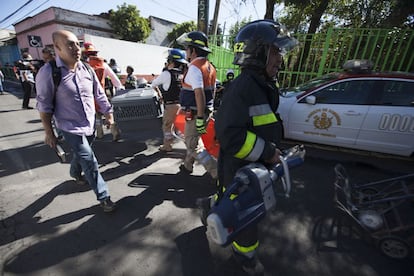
(128, 24)
(234, 29)
(178, 30)
(310, 16)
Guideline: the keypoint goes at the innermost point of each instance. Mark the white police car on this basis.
(356, 109)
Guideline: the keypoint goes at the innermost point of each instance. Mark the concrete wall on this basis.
(145, 59)
(159, 31)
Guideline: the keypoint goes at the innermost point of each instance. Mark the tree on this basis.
(310, 16)
(128, 24)
(234, 29)
(178, 30)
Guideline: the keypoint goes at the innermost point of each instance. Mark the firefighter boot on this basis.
(250, 265)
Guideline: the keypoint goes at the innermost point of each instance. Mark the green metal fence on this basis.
(321, 53)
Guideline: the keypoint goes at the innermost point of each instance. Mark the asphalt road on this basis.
(51, 226)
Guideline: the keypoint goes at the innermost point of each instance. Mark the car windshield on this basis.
(292, 91)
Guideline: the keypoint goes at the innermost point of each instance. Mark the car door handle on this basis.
(352, 113)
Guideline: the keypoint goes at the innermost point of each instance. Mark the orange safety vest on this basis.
(187, 96)
(97, 64)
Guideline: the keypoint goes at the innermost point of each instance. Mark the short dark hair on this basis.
(48, 50)
(199, 52)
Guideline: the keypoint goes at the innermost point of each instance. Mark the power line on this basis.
(175, 11)
(13, 13)
(24, 16)
(254, 5)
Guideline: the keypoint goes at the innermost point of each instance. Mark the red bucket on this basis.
(209, 138)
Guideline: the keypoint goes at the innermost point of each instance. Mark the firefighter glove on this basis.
(201, 128)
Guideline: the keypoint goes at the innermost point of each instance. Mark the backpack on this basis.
(57, 76)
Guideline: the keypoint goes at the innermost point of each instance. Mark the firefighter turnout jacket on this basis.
(248, 127)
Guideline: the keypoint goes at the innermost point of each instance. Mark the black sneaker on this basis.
(80, 180)
(204, 206)
(251, 266)
(107, 205)
(184, 170)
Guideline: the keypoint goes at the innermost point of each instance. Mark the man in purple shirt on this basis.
(72, 106)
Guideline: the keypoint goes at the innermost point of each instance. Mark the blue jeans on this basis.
(84, 160)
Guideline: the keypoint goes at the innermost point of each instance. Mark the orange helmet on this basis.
(88, 48)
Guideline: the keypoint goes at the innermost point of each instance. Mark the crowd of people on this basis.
(247, 125)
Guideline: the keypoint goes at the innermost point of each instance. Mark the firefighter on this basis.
(196, 97)
(248, 126)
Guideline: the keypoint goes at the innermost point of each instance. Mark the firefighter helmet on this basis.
(254, 40)
(196, 39)
(177, 55)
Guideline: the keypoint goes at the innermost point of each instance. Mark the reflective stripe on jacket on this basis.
(247, 125)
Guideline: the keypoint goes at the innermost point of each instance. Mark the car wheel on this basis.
(394, 247)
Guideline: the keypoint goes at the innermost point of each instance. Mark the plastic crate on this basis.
(137, 104)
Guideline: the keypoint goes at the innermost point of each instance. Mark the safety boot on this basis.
(250, 265)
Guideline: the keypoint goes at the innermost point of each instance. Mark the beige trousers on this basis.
(170, 113)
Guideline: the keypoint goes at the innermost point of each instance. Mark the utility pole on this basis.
(202, 25)
(215, 18)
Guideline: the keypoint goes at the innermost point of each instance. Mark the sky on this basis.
(177, 11)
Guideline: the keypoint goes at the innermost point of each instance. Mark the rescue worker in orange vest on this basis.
(103, 71)
(196, 97)
(247, 124)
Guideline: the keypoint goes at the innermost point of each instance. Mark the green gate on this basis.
(321, 53)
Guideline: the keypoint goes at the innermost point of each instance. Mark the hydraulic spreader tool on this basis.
(253, 192)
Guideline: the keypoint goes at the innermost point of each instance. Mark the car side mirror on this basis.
(311, 100)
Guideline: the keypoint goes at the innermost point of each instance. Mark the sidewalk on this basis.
(51, 226)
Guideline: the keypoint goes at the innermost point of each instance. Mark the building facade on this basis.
(35, 32)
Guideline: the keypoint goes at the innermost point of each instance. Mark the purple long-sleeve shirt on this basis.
(74, 109)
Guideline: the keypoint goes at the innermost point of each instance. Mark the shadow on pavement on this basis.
(25, 223)
(106, 230)
(299, 236)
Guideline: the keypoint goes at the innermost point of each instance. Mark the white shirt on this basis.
(194, 76)
(108, 72)
(163, 79)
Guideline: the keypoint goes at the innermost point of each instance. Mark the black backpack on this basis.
(57, 76)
